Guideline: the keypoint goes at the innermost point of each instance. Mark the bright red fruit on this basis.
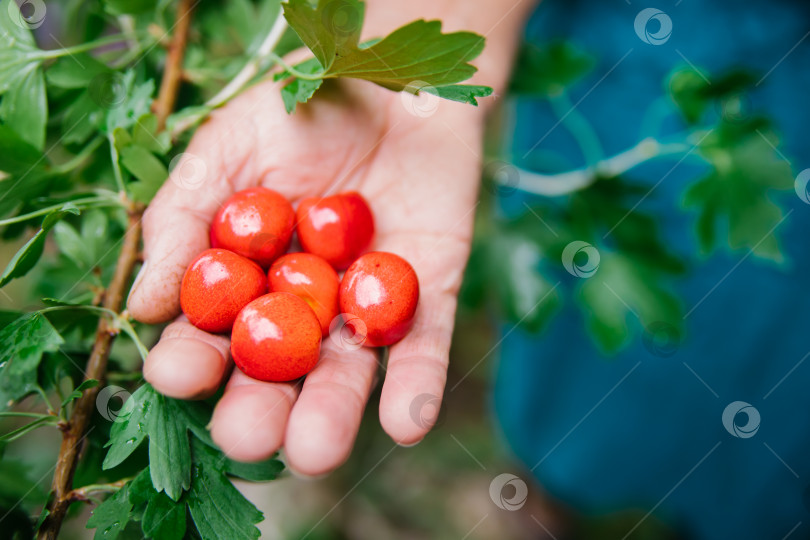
(277, 337)
(310, 278)
(216, 286)
(256, 223)
(338, 228)
(382, 290)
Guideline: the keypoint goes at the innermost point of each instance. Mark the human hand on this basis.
(420, 176)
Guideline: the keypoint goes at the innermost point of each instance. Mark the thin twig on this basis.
(173, 72)
(62, 494)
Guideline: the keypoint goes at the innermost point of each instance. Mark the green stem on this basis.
(89, 202)
(79, 158)
(578, 126)
(119, 179)
(121, 322)
(15, 414)
(294, 72)
(553, 185)
(19, 432)
(84, 47)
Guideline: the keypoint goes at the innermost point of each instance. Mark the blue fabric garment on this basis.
(639, 430)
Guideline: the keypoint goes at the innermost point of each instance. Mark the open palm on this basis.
(417, 165)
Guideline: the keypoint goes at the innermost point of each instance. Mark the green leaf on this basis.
(166, 423)
(17, 156)
(298, 91)
(146, 168)
(527, 297)
(79, 390)
(25, 109)
(413, 56)
(217, 507)
(262, 471)
(145, 134)
(169, 452)
(135, 102)
(463, 93)
(621, 290)
(28, 255)
(71, 244)
(19, 55)
(548, 70)
(129, 7)
(736, 194)
(75, 71)
(110, 517)
(164, 518)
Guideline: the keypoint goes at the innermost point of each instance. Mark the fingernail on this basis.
(403, 445)
(307, 477)
(138, 279)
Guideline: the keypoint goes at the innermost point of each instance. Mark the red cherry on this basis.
(338, 228)
(276, 338)
(381, 289)
(310, 278)
(256, 223)
(216, 286)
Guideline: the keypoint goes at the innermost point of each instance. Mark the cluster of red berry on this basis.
(277, 320)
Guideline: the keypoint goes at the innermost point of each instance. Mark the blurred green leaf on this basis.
(623, 289)
(28, 255)
(75, 71)
(147, 168)
(24, 342)
(79, 390)
(737, 193)
(546, 70)
(17, 156)
(19, 55)
(129, 7)
(25, 109)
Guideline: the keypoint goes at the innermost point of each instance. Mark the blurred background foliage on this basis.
(438, 489)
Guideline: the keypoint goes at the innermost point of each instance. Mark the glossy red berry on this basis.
(381, 289)
(256, 223)
(310, 278)
(277, 337)
(216, 286)
(338, 228)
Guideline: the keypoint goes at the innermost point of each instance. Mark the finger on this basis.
(175, 226)
(325, 419)
(187, 363)
(417, 365)
(249, 421)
